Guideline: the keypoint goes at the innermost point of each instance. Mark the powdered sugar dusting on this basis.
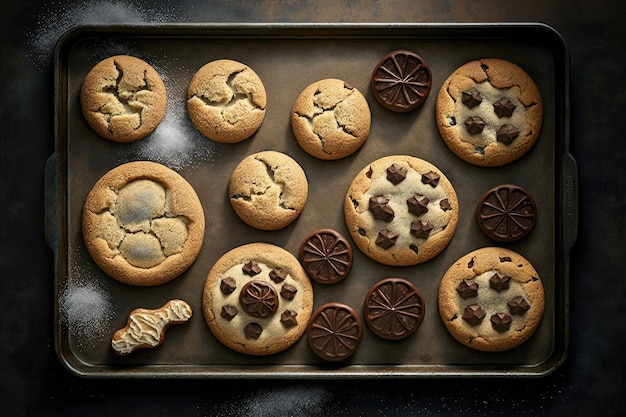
(290, 401)
(59, 17)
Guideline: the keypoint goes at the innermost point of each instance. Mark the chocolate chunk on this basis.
(229, 311)
(386, 238)
(326, 256)
(518, 305)
(501, 322)
(288, 291)
(251, 268)
(228, 285)
(253, 330)
(505, 259)
(288, 318)
(467, 289)
(418, 204)
(431, 178)
(506, 213)
(258, 299)
(421, 229)
(474, 314)
(445, 205)
(506, 134)
(379, 205)
(474, 125)
(396, 173)
(278, 274)
(504, 107)
(401, 81)
(394, 308)
(499, 282)
(334, 331)
(471, 98)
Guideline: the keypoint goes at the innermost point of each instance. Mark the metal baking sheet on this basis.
(90, 306)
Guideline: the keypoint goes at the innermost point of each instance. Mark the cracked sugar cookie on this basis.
(401, 210)
(123, 98)
(489, 112)
(330, 119)
(268, 190)
(257, 299)
(226, 101)
(491, 299)
(143, 223)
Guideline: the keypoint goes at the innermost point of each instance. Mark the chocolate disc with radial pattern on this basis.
(401, 81)
(394, 309)
(334, 331)
(506, 213)
(326, 256)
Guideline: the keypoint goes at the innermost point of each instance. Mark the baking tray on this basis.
(90, 306)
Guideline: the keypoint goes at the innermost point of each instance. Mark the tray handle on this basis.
(569, 199)
(51, 201)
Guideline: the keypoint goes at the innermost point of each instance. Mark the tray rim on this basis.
(565, 205)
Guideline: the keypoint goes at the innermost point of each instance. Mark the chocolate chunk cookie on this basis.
(401, 210)
(489, 112)
(491, 299)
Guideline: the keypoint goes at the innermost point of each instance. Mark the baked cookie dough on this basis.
(268, 190)
(123, 98)
(330, 119)
(257, 299)
(489, 112)
(143, 223)
(226, 101)
(491, 299)
(401, 210)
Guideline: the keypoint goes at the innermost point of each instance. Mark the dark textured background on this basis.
(590, 383)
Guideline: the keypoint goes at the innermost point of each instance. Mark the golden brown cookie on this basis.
(123, 98)
(489, 112)
(143, 223)
(257, 299)
(268, 190)
(491, 299)
(226, 101)
(330, 119)
(401, 210)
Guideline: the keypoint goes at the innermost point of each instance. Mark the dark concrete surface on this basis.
(591, 381)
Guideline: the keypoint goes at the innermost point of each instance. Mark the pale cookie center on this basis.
(139, 225)
(232, 95)
(126, 97)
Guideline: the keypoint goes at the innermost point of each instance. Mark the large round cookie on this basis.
(268, 190)
(401, 210)
(489, 112)
(123, 98)
(143, 223)
(257, 299)
(226, 101)
(491, 299)
(330, 119)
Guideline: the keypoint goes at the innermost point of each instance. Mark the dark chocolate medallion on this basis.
(334, 331)
(401, 81)
(258, 299)
(326, 256)
(394, 309)
(506, 213)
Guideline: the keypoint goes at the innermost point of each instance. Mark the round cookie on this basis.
(401, 81)
(330, 119)
(123, 98)
(257, 299)
(401, 210)
(491, 299)
(226, 101)
(143, 223)
(268, 190)
(489, 112)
